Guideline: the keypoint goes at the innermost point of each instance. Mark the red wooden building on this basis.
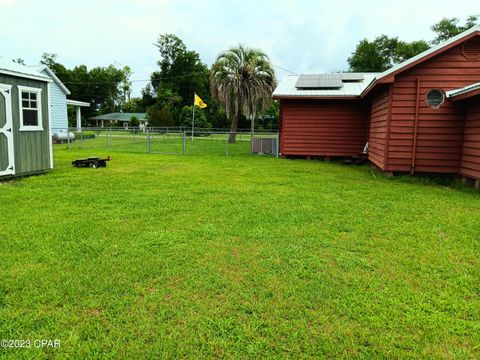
(422, 115)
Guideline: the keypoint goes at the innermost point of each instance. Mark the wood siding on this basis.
(32, 148)
(322, 127)
(470, 165)
(378, 128)
(438, 146)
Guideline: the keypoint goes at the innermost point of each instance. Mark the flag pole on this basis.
(193, 115)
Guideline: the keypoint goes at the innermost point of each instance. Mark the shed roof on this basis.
(287, 88)
(8, 67)
(120, 116)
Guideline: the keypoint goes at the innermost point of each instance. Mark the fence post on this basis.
(81, 140)
(277, 144)
(68, 138)
(148, 141)
(226, 145)
(184, 143)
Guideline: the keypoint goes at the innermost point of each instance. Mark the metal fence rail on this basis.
(167, 141)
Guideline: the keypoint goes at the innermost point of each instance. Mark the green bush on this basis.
(134, 122)
(201, 122)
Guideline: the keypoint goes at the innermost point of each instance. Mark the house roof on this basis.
(464, 92)
(427, 54)
(8, 67)
(288, 88)
(120, 116)
(51, 74)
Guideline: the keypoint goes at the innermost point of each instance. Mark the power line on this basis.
(149, 80)
(291, 72)
(138, 80)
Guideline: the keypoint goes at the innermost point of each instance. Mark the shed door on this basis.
(7, 159)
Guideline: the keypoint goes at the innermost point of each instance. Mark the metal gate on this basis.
(7, 158)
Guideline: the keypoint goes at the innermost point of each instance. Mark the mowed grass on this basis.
(161, 256)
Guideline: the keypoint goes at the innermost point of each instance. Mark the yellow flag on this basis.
(199, 102)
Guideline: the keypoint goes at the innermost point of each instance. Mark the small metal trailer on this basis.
(93, 162)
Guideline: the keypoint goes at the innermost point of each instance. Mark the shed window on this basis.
(30, 109)
(435, 98)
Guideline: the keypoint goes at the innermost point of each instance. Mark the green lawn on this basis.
(161, 256)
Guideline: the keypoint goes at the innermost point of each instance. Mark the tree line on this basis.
(384, 52)
(237, 87)
(168, 97)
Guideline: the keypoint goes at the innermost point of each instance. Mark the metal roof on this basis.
(287, 87)
(463, 90)
(8, 67)
(430, 51)
(120, 116)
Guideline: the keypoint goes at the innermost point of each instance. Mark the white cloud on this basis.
(303, 36)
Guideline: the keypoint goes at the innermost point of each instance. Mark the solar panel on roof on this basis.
(352, 77)
(319, 81)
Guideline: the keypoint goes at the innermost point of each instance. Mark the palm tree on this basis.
(242, 80)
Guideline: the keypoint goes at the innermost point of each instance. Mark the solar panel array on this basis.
(319, 81)
(327, 81)
(353, 77)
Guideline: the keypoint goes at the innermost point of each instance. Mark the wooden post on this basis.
(327, 158)
(477, 184)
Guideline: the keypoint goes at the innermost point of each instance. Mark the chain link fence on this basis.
(167, 141)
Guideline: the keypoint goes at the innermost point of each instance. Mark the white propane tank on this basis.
(63, 136)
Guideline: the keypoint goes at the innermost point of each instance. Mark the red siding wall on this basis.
(439, 131)
(378, 128)
(471, 147)
(322, 127)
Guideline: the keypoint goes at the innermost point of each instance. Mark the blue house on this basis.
(59, 102)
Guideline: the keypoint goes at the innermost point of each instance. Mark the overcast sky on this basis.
(301, 36)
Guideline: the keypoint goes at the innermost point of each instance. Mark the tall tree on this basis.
(382, 53)
(107, 89)
(447, 28)
(242, 80)
(181, 71)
